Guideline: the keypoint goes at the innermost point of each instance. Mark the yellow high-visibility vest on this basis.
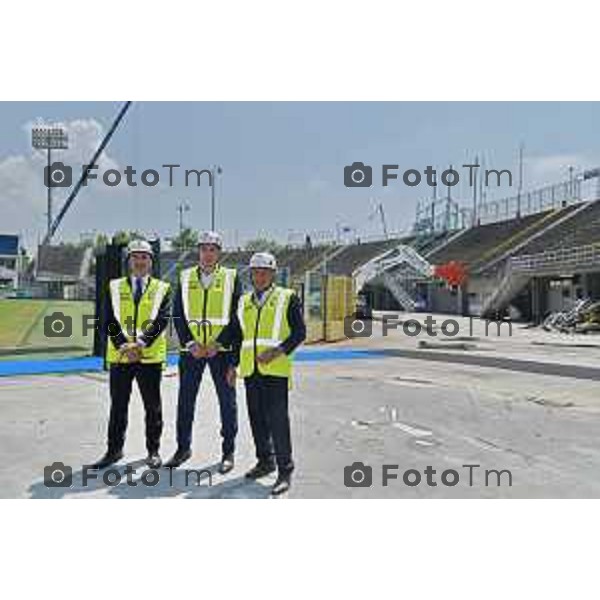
(207, 310)
(128, 317)
(264, 327)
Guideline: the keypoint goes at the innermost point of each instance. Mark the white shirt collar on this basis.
(206, 277)
(261, 297)
(144, 281)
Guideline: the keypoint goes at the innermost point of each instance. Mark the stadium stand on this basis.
(341, 260)
(510, 246)
(171, 259)
(479, 245)
(64, 272)
(236, 259)
(300, 260)
(426, 245)
(352, 257)
(62, 263)
(582, 229)
(297, 260)
(561, 250)
(10, 261)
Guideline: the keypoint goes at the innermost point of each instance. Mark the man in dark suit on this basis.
(136, 349)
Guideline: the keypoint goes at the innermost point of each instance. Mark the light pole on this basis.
(181, 208)
(49, 137)
(520, 189)
(571, 187)
(214, 171)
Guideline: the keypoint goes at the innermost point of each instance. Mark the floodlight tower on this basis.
(49, 137)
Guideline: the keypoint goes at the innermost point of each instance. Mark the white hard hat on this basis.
(210, 237)
(139, 246)
(263, 260)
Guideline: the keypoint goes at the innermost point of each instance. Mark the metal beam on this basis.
(57, 221)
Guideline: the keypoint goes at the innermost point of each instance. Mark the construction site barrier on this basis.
(328, 300)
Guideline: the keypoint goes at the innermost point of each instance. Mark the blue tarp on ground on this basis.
(93, 363)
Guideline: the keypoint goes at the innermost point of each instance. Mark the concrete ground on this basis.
(411, 408)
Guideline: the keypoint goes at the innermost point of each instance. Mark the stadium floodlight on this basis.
(49, 137)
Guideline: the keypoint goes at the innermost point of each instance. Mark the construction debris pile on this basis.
(583, 317)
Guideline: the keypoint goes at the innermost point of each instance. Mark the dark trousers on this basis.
(148, 377)
(267, 400)
(190, 376)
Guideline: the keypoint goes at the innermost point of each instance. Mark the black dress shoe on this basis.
(282, 484)
(261, 469)
(226, 464)
(153, 460)
(110, 458)
(179, 458)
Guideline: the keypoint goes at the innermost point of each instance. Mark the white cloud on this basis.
(22, 191)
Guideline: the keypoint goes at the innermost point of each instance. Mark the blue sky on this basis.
(282, 162)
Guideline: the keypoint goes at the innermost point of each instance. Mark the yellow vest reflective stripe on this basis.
(263, 328)
(207, 310)
(121, 297)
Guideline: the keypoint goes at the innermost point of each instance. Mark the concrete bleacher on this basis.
(426, 244)
(300, 260)
(512, 245)
(297, 260)
(62, 263)
(355, 255)
(481, 244)
(236, 258)
(581, 229)
(344, 259)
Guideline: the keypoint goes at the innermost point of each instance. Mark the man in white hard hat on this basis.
(268, 327)
(136, 349)
(204, 304)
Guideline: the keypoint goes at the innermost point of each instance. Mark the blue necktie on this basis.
(137, 294)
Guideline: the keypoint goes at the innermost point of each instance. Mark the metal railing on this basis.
(445, 215)
(393, 259)
(399, 268)
(527, 203)
(399, 292)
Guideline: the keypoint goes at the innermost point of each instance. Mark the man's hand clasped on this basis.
(132, 351)
(202, 351)
(264, 358)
